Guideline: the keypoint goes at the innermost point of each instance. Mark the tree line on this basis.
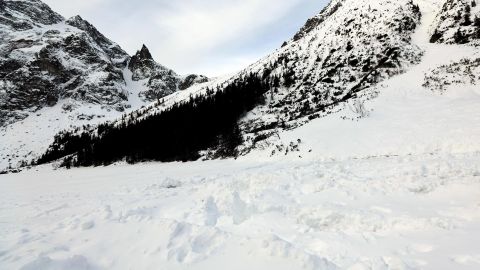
(178, 133)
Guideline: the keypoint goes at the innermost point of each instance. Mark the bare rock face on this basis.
(458, 22)
(115, 52)
(142, 65)
(315, 21)
(44, 59)
(191, 80)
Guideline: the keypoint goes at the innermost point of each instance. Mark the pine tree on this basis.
(459, 37)
(466, 18)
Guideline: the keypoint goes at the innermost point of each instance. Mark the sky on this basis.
(209, 37)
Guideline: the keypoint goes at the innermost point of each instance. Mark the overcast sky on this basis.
(210, 37)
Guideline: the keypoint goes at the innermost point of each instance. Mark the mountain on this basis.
(338, 60)
(58, 73)
(458, 22)
(158, 80)
(46, 61)
(381, 176)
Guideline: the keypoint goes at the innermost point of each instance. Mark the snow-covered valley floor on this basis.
(397, 212)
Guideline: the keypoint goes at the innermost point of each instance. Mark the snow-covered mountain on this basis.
(158, 80)
(46, 61)
(338, 60)
(57, 74)
(339, 57)
(385, 175)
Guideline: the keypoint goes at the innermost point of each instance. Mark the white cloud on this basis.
(72, 8)
(209, 26)
(196, 36)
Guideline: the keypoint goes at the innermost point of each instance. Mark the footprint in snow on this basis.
(88, 225)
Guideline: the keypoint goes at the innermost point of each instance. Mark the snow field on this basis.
(407, 212)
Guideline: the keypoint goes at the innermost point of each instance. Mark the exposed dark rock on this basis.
(191, 80)
(34, 12)
(313, 22)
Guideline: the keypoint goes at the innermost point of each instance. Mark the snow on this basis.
(407, 212)
(134, 89)
(404, 117)
(396, 189)
(30, 137)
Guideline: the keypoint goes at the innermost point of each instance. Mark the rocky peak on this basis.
(143, 66)
(144, 54)
(26, 14)
(159, 81)
(142, 60)
(84, 25)
(67, 67)
(118, 55)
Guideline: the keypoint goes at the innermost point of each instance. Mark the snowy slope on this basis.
(433, 107)
(327, 61)
(458, 22)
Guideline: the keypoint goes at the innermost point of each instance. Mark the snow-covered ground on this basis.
(398, 189)
(408, 212)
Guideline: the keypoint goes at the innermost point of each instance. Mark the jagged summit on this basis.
(54, 60)
(144, 53)
(118, 56)
(142, 56)
(142, 64)
(159, 81)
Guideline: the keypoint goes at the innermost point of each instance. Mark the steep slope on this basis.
(458, 22)
(58, 74)
(45, 63)
(431, 108)
(346, 49)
